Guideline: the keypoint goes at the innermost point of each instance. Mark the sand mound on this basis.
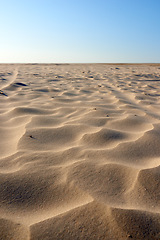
(79, 152)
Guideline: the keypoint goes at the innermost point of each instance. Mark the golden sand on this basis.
(79, 152)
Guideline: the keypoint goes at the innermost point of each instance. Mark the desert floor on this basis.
(79, 152)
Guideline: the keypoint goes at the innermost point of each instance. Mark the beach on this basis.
(79, 151)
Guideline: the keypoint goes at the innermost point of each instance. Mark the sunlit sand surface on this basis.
(79, 152)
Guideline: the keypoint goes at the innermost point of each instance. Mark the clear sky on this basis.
(81, 31)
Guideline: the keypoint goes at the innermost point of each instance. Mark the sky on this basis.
(80, 31)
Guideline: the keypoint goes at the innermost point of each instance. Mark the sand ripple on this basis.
(80, 152)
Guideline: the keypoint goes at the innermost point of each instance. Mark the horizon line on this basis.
(69, 63)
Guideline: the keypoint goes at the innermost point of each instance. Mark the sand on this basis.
(79, 151)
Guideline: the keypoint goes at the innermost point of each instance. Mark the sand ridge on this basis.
(79, 151)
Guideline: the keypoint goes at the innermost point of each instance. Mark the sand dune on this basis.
(79, 152)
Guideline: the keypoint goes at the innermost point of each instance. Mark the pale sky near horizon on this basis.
(80, 31)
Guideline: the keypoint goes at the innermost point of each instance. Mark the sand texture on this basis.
(79, 152)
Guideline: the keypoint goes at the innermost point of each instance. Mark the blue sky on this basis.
(81, 31)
